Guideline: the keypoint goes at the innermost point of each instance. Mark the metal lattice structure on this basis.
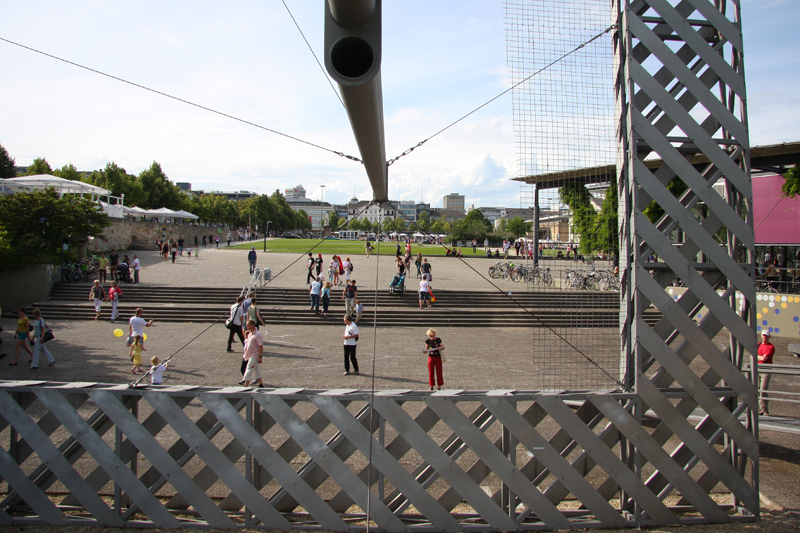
(298, 459)
(474, 460)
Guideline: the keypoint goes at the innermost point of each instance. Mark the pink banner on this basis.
(776, 218)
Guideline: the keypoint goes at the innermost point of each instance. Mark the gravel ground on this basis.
(311, 356)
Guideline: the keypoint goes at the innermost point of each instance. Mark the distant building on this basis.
(374, 213)
(184, 186)
(297, 192)
(317, 211)
(453, 202)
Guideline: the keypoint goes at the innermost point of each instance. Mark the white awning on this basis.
(136, 211)
(169, 213)
(186, 214)
(43, 181)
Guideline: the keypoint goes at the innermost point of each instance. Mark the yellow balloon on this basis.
(118, 333)
(145, 336)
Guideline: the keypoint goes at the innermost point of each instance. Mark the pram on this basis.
(124, 273)
(398, 284)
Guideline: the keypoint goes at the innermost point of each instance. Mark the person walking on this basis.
(102, 265)
(23, 331)
(474, 245)
(217, 240)
(310, 268)
(39, 327)
(426, 269)
(164, 250)
(486, 244)
(136, 354)
(229, 238)
(113, 295)
(424, 291)
(434, 348)
(235, 322)
(205, 240)
(350, 337)
(136, 324)
(318, 265)
(766, 350)
(418, 264)
(251, 258)
(359, 310)
(368, 248)
(253, 355)
(97, 295)
(180, 245)
(326, 297)
(136, 266)
(314, 292)
(348, 269)
(113, 262)
(174, 251)
(349, 295)
(254, 313)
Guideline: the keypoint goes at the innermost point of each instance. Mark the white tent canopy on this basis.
(63, 186)
(136, 211)
(169, 213)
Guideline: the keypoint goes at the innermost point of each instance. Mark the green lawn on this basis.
(354, 248)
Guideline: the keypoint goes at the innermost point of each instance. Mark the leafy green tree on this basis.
(608, 223)
(518, 227)
(477, 216)
(119, 183)
(654, 211)
(440, 226)
(791, 184)
(424, 221)
(161, 192)
(333, 220)
(37, 222)
(68, 172)
(584, 216)
(6, 164)
(39, 166)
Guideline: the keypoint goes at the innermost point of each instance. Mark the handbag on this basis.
(444, 359)
(229, 322)
(48, 333)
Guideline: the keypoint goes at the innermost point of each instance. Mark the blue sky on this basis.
(247, 59)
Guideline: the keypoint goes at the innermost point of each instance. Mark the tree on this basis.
(518, 227)
(791, 185)
(333, 220)
(161, 192)
(584, 216)
(39, 166)
(424, 221)
(477, 216)
(440, 226)
(37, 222)
(6, 164)
(68, 172)
(119, 183)
(608, 223)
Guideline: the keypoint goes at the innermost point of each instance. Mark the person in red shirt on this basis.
(766, 350)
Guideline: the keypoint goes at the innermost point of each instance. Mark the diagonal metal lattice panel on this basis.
(283, 459)
(681, 99)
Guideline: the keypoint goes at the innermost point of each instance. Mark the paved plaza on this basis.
(479, 358)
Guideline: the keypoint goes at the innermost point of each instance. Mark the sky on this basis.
(440, 60)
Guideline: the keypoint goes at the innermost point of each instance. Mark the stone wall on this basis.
(126, 233)
(25, 286)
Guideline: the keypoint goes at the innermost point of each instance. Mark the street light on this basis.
(265, 235)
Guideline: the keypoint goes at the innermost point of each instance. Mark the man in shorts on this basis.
(425, 291)
(137, 324)
(113, 261)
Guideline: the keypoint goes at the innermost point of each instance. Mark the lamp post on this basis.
(265, 235)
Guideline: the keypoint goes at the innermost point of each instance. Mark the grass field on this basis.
(355, 248)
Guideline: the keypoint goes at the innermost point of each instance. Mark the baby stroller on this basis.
(398, 284)
(124, 273)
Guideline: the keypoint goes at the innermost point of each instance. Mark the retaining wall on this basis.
(126, 233)
(27, 285)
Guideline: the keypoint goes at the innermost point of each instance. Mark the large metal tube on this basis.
(353, 59)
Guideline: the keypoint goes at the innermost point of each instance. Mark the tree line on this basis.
(152, 189)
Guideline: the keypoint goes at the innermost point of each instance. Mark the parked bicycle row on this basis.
(572, 279)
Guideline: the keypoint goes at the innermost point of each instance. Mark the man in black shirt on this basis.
(113, 261)
(180, 245)
(426, 269)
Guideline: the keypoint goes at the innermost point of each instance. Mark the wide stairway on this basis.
(552, 308)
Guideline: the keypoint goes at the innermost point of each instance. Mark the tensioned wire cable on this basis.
(223, 317)
(210, 110)
(372, 383)
(312, 53)
(521, 306)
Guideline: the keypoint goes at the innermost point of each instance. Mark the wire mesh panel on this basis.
(561, 56)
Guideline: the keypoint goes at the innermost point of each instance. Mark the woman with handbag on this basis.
(23, 331)
(40, 335)
(434, 348)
